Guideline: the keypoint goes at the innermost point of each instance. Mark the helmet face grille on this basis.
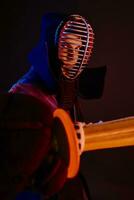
(75, 46)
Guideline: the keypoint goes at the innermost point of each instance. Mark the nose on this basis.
(71, 53)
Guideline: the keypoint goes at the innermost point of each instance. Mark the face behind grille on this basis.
(75, 46)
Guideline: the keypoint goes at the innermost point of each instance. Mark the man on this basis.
(59, 59)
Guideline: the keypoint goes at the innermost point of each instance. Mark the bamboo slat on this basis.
(111, 134)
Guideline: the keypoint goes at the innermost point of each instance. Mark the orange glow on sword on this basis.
(110, 134)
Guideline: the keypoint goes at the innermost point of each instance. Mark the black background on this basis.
(109, 172)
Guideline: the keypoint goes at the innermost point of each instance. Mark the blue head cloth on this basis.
(43, 57)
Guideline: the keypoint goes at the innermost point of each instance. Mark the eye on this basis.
(64, 45)
(78, 47)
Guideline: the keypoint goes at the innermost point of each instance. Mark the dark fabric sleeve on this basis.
(25, 131)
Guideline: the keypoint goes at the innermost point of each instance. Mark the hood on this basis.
(44, 57)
